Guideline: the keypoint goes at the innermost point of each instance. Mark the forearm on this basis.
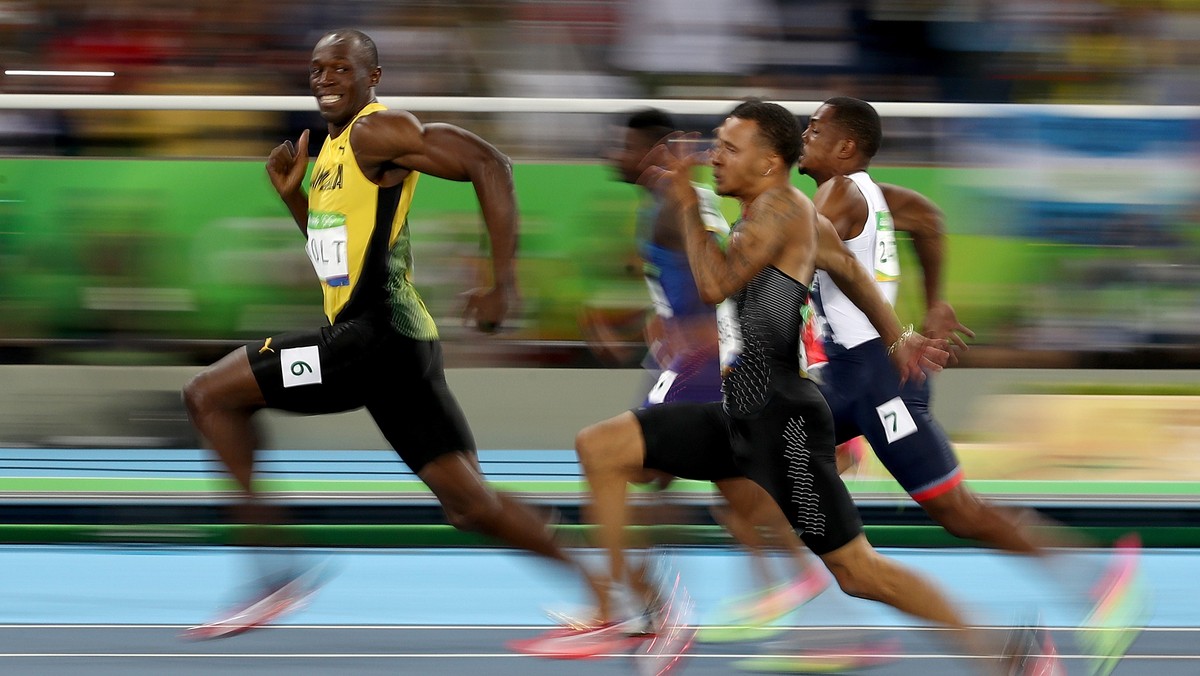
(930, 248)
(705, 257)
(297, 206)
(494, 188)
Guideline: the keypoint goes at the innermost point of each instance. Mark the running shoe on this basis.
(748, 618)
(1120, 611)
(1032, 653)
(566, 643)
(674, 633)
(824, 652)
(273, 602)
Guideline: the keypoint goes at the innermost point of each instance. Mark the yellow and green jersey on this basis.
(358, 240)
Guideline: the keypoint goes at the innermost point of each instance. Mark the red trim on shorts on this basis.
(940, 489)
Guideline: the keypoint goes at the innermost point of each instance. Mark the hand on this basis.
(487, 307)
(913, 355)
(666, 169)
(942, 324)
(287, 164)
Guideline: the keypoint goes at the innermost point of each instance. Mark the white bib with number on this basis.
(887, 259)
(327, 247)
(729, 333)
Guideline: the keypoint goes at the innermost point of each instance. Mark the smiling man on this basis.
(380, 349)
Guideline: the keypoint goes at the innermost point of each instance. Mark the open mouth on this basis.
(329, 99)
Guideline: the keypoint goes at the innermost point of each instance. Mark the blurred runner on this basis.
(772, 426)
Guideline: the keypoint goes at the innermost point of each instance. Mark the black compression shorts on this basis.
(364, 362)
(787, 448)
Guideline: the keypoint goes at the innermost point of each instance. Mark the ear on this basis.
(771, 165)
(375, 75)
(847, 148)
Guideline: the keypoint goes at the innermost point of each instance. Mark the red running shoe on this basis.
(274, 603)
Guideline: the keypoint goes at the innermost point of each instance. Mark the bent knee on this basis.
(862, 572)
(614, 445)
(475, 516)
(197, 394)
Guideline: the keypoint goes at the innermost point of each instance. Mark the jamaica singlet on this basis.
(358, 240)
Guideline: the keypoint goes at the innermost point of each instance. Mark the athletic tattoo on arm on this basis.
(754, 244)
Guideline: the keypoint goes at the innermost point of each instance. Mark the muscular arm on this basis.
(917, 215)
(390, 144)
(754, 245)
(286, 167)
(853, 279)
(910, 352)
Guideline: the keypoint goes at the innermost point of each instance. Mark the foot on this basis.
(1031, 652)
(566, 643)
(272, 602)
(747, 618)
(825, 652)
(1120, 611)
(674, 632)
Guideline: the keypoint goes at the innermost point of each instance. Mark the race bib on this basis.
(658, 394)
(729, 332)
(658, 296)
(887, 260)
(327, 247)
(897, 421)
(300, 365)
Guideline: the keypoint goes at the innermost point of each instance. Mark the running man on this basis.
(864, 392)
(682, 338)
(773, 426)
(380, 349)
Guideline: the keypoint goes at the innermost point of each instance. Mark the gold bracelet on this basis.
(904, 335)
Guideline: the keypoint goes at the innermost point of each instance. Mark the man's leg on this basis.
(612, 454)
(863, 572)
(963, 513)
(754, 519)
(221, 401)
(471, 504)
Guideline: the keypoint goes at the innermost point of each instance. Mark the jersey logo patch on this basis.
(300, 365)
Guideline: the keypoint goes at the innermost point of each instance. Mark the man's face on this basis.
(820, 141)
(738, 156)
(340, 79)
(626, 157)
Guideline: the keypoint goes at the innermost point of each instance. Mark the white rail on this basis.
(509, 104)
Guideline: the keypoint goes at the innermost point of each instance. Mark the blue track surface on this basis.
(75, 609)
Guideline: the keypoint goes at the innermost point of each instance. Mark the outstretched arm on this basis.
(397, 142)
(917, 215)
(910, 352)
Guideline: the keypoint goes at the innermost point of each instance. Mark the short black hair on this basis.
(778, 126)
(364, 45)
(652, 122)
(860, 120)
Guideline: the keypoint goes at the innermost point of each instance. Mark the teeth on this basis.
(332, 98)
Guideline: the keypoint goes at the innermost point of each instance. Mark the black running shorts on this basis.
(364, 362)
(787, 448)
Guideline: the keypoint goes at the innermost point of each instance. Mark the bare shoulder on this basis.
(837, 189)
(910, 209)
(387, 133)
(785, 203)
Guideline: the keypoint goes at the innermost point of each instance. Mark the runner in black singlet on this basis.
(773, 425)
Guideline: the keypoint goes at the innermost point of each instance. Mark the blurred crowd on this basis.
(1070, 234)
(1095, 51)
